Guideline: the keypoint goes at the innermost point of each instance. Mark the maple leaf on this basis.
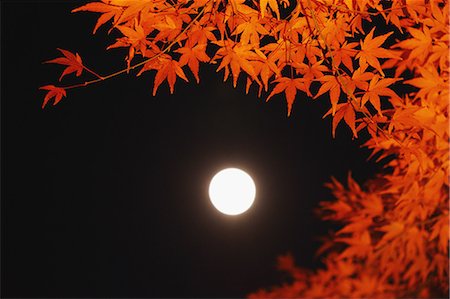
(391, 231)
(120, 10)
(420, 45)
(169, 27)
(131, 9)
(357, 227)
(379, 88)
(345, 54)
(347, 112)
(108, 12)
(286, 263)
(167, 68)
(238, 7)
(201, 34)
(136, 38)
(124, 3)
(272, 4)
(371, 51)
(236, 56)
(394, 16)
(429, 82)
(309, 72)
(333, 87)
(73, 62)
(440, 53)
(359, 79)
(289, 86)
(192, 56)
(339, 209)
(360, 245)
(53, 92)
(440, 229)
(250, 31)
(373, 205)
(265, 68)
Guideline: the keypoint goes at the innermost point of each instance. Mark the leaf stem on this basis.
(92, 72)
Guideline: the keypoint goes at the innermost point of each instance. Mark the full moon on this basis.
(232, 191)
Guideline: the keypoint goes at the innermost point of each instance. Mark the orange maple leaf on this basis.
(440, 229)
(332, 85)
(346, 111)
(420, 44)
(265, 68)
(236, 56)
(167, 69)
(371, 51)
(289, 86)
(429, 82)
(251, 31)
(272, 4)
(392, 230)
(359, 245)
(192, 56)
(53, 91)
(73, 62)
(358, 80)
(345, 54)
(108, 12)
(310, 72)
(201, 34)
(135, 37)
(379, 88)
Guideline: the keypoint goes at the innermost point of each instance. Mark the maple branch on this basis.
(125, 70)
(343, 85)
(307, 19)
(352, 11)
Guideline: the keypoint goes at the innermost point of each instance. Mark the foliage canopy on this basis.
(384, 67)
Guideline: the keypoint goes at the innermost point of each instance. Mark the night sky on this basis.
(106, 194)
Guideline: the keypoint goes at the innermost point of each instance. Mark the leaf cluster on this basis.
(384, 67)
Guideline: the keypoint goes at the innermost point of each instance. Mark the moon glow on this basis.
(232, 191)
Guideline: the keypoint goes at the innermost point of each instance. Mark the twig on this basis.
(339, 79)
(165, 50)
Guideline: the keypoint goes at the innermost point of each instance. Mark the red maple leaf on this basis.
(53, 91)
(73, 62)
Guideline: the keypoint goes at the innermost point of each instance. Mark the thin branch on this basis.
(92, 72)
(341, 9)
(165, 50)
(339, 77)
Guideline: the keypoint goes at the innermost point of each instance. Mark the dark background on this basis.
(105, 194)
